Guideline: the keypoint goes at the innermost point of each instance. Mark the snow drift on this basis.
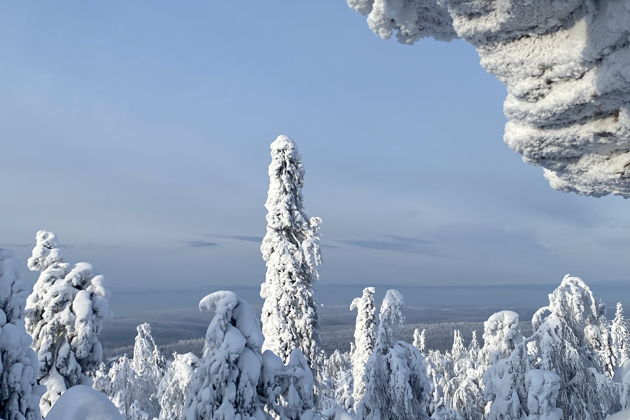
(566, 66)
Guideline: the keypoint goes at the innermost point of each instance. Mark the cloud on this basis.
(200, 244)
(397, 244)
(244, 238)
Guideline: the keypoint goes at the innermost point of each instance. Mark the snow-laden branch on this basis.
(566, 66)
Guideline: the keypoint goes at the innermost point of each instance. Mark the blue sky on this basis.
(139, 132)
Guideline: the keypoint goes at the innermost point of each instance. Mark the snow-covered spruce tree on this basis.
(504, 364)
(572, 341)
(224, 385)
(122, 385)
(174, 386)
(458, 350)
(397, 385)
(464, 391)
(474, 347)
(420, 340)
(338, 370)
(620, 336)
(19, 392)
(290, 249)
(364, 339)
(64, 315)
(149, 365)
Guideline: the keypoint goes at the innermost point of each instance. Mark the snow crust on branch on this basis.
(566, 67)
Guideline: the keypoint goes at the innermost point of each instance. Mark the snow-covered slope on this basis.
(566, 66)
(82, 403)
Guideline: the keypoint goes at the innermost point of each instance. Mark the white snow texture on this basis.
(566, 66)
(83, 403)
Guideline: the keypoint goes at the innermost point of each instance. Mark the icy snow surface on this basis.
(566, 66)
(82, 403)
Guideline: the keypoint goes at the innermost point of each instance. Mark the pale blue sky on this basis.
(139, 132)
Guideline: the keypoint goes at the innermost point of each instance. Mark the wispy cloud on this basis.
(200, 244)
(396, 244)
(244, 238)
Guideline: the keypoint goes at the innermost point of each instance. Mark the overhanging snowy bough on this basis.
(566, 66)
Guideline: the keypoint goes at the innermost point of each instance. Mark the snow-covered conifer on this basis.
(123, 385)
(501, 335)
(364, 339)
(458, 350)
(19, 393)
(505, 362)
(290, 249)
(474, 347)
(64, 315)
(420, 340)
(338, 370)
(397, 384)
(572, 341)
(149, 365)
(174, 386)
(620, 336)
(224, 385)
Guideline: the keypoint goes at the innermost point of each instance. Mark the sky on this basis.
(139, 132)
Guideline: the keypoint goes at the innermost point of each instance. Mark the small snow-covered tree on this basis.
(420, 340)
(64, 315)
(338, 370)
(474, 347)
(397, 384)
(19, 392)
(174, 386)
(505, 362)
(290, 249)
(620, 336)
(149, 365)
(364, 339)
(224, 385)
(122, 386)
(458, 350)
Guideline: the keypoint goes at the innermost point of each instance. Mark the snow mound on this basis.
(83, 403)
(622, 415)
(566, 66)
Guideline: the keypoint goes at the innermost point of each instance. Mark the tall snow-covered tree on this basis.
(64, 315)
(149, 365)
(620, 336)
(224, 385)
(397, 384)
(364, 339)
(174, 386)
(19, 392)
(290, 249)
